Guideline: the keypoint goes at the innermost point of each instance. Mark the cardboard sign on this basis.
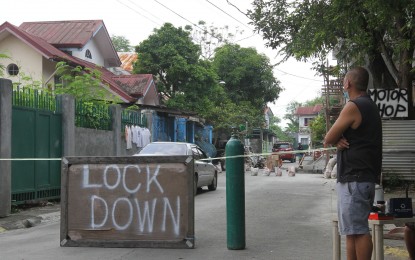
(136, 201)
(391, 102)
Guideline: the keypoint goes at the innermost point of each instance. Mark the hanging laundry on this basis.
(128, 137)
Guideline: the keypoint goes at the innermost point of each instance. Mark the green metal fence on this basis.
(31, 98)
(93, 115)
(132, 117)
(36, 137)
(37, 134)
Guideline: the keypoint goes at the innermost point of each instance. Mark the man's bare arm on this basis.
(348, 117)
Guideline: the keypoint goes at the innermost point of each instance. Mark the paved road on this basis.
(286, 218)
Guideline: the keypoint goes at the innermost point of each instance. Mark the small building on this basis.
(35, 48)
(305, 116)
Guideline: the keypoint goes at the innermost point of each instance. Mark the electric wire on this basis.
(183, 17)
(138, 12)
(229, 15)
(297, 75)
(133, 3)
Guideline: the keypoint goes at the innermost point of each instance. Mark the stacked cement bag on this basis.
(278, 171)
(334, 172)
(331, 168)
(291, 171)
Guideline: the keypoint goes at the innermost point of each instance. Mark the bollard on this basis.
(235, 194)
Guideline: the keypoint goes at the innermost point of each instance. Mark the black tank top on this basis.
(362, 162)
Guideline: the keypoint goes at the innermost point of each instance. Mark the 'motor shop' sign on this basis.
(128, 202)
(391, 102)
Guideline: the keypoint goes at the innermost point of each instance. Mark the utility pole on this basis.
(327, 97)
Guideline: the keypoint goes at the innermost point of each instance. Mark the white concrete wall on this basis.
(92, 46)
(49, 68)
(28, 60)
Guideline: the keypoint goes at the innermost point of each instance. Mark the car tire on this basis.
(214, 184)
(195, 185)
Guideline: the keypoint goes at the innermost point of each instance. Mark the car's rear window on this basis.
(281, 146)
(164, 149)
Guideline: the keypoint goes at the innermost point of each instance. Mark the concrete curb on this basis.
(30, 218)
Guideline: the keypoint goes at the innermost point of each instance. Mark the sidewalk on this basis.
(30, 217)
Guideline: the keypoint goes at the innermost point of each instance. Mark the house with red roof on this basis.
(305, 116)
(34, 49)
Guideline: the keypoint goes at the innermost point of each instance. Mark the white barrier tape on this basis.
(216, 158)
(30, 159)
(273, 153)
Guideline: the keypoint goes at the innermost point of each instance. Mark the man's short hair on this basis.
(359, 76)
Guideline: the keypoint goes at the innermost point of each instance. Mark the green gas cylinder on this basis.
(235, 193)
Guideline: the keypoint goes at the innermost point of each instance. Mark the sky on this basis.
(136, 19)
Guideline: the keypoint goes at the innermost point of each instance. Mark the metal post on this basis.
(327, 80)
(336, 241)
(235, 194)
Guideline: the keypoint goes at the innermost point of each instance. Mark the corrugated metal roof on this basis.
(63, 33)
(398, 149)
(127, 60)
(37, 43)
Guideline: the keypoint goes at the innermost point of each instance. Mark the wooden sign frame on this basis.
(136, 201)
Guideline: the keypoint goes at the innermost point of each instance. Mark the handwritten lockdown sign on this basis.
(391, 102)
(137, 201)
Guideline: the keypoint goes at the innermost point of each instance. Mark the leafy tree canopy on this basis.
(247, 75)
(292, 125)
(315, 101)
(171, 56)
(82, 83)
(276, 129)
(210, 37)
(379, 34)
(121, 44)
(318, 129)
(2, 56)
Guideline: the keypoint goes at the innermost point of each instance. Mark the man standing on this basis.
(357, 134)
(409, 236)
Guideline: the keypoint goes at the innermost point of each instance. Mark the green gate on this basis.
(36, 137)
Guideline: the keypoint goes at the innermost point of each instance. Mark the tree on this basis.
(191, 83)
(121, 44)
(82, 83)
(2, 56)
(169, 54)
(248, 75)
(315, 101)
(293, 124)
(277, 130)
(318, 129)
(209, 38)
(380, 34)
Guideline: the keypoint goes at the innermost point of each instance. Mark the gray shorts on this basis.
(354, 202)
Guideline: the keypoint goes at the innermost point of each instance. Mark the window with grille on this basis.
(12, 69)
(88, 54)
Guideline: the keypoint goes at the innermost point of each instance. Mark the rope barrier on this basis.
(215, 158)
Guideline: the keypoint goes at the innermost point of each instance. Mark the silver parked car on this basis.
(205, 172)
